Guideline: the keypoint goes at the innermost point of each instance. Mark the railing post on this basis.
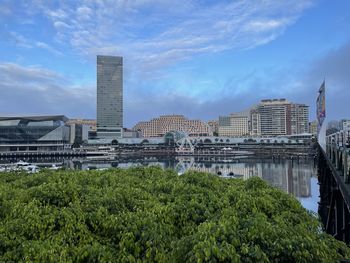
(336, 158)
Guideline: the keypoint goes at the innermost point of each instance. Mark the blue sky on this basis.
(193, 57)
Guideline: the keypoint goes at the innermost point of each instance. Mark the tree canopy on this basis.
(154, 215)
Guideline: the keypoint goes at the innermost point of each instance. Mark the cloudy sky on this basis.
(200, 58)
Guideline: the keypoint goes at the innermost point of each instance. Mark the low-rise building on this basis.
(158, 127)
(34, 133)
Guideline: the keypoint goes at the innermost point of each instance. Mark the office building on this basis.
(233, 125)
(158, 127)
(109, 97)
(34, 133)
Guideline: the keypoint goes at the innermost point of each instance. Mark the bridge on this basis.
(334, 181)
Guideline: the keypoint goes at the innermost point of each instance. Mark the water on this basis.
(298, 178)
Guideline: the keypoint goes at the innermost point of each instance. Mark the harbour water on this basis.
(296, 177)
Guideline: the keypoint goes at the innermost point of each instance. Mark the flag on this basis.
(321, 106)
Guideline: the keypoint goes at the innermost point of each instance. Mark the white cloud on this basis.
(150, 34)
(24, 42)
(48, 47)
(84, 13)
(59, 25)
(57, 14)
(265, 25)
(14, 73)
(154, 33)
(19, 40)
(37, 90)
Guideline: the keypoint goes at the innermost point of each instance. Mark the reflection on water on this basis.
(290, 176)
(294, 177)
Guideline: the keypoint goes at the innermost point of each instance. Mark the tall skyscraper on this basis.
(109, 96)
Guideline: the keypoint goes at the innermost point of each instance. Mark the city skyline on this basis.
(202, 59)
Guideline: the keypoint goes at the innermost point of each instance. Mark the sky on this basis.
(199, 58)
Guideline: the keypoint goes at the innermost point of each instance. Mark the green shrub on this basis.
(154, 215)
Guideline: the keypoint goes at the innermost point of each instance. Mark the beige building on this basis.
(279, 117)
(233, 125)
(158, 127)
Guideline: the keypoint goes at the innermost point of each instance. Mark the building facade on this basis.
(299, 120)
(34, 133)
(80, 129)
(158, 127)
(255, 127)
(275, 117)
(109, 96)
(233, 125)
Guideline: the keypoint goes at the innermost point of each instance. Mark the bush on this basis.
(154, 215)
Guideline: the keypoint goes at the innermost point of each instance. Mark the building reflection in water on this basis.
(290, 176)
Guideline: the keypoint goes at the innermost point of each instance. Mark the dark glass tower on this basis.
(109, 96)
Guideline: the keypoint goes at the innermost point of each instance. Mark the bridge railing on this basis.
(334, 182)
(338, 152)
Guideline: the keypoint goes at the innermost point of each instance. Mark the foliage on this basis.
(154, 215)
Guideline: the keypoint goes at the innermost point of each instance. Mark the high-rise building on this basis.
(279, 117)
(158, 127)
(109, 96)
